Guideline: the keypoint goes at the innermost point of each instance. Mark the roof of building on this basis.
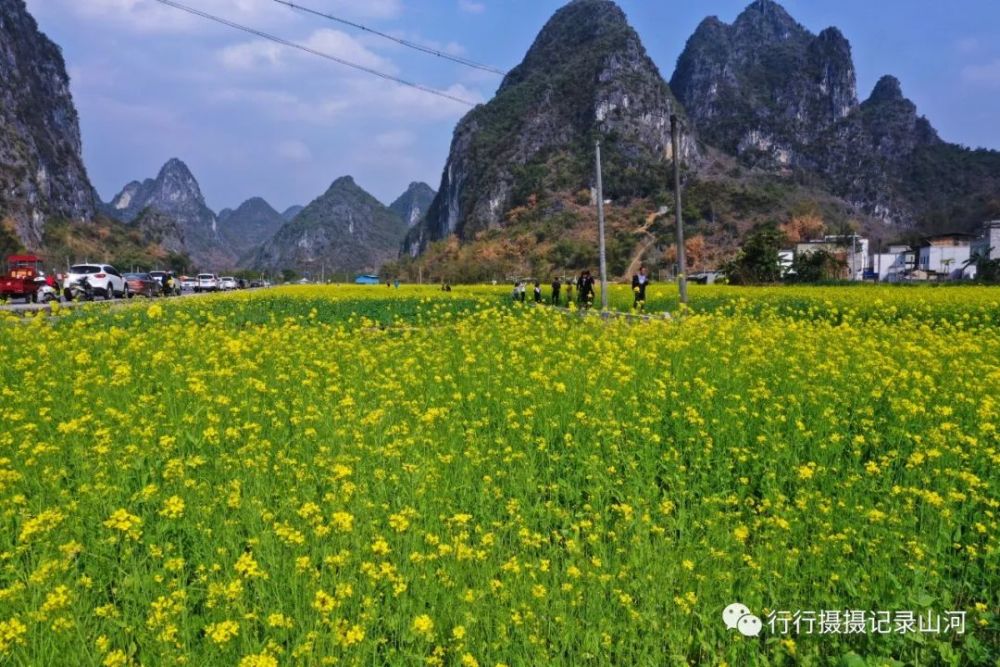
(947, 235)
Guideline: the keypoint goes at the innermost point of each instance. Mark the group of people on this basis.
(585, 292)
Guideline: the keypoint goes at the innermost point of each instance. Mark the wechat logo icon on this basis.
(738, 617)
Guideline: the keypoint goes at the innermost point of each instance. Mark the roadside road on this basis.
(22, 307)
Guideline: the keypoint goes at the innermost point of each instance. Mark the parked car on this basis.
(188, 283)
(228, 283)
(142, 284)
(105, 280)
(207, 282)
(161, 278)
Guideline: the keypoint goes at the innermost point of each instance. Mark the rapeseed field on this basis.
(371, 476)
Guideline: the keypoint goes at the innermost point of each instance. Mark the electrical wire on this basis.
(327, 56)
(412, 45)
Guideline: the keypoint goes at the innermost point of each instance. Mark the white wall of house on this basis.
(949, 260)
(890, 266)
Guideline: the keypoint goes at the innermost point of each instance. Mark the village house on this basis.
(895, 263)
(945, 255)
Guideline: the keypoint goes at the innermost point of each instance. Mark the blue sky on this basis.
(255, 119)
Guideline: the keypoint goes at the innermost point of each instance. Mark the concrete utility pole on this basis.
(854, 257)
(600, 231)
(682, 286)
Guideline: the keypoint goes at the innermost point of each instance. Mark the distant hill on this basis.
(344, 230)
(251, 224)
(291, 212)
(412, 205)
(586, 77)
(175, 192)
(777, 97)
(773, 129)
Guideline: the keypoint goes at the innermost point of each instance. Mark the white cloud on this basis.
(395, 139)
(293, 150)
(260, 54)
(349, 100)
(378, 9)
(125, 113)
(397, 102)
(283, 106)
(252, 55)
(471, 7)
(968, 45)
(342, 45)
(987, 74)
(452, 48)
(152, 16)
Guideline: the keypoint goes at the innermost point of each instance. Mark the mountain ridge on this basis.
(175, 192)
(413, 204)
(42, 174)
(586, 76)
(345, 229)
(253, 222)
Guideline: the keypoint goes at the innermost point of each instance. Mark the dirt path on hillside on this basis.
(640, 249)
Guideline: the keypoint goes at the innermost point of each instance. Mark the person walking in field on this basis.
(538, 292)
(569, 291)
(585, 289)
(639, 283)
(556, 288)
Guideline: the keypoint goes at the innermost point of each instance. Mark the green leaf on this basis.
(852, 659)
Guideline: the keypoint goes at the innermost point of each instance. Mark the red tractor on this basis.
(24, 278)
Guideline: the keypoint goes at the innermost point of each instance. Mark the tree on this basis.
(803, 227)
(9, 243)
(816, 266)
(759, 260)
(987, 270)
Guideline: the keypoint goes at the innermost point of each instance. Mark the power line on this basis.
(301, 47)
(413, 45)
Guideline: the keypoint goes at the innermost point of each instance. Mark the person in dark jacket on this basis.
(538, 292)
(556, 288)
(585, 289)
(639, 283)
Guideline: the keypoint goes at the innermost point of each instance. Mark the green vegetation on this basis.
(405, 477)
(759, 261)
(66, 242)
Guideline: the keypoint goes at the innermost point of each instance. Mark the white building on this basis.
(945, 255)
(893, 264)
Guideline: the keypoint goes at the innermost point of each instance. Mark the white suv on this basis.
(104, 278)
(207, 282)
(228, 283)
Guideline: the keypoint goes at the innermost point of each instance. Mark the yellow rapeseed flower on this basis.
(222, 632)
